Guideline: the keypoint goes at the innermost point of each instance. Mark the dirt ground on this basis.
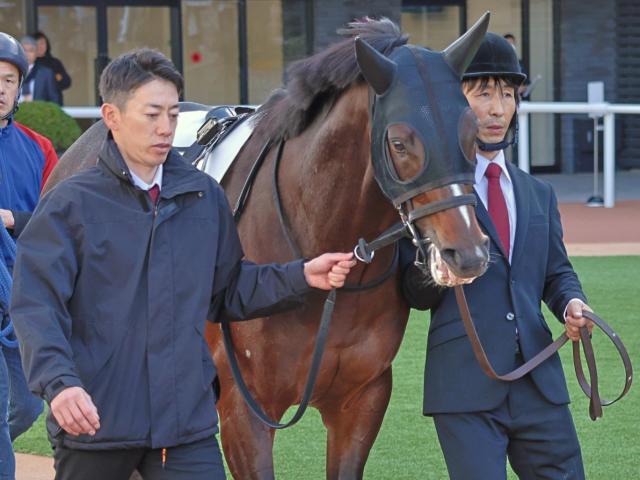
(602, 231)
(587, 232)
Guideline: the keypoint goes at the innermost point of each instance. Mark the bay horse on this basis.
(327, 142)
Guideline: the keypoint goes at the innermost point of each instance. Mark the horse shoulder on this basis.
(81, 155)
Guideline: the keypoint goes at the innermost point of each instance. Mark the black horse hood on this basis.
(404, 92)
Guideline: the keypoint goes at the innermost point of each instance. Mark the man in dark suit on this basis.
(481, 422)
(40, 82)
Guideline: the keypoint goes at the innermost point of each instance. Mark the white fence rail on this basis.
(82, 112)
(606, 110)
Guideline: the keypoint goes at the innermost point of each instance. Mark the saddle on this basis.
(220, 134)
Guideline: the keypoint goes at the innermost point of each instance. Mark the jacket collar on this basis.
(6, 130)
(483, 163)
(178, 176)
(485, 220)
(521, 194)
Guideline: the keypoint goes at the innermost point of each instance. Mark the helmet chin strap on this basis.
(15, 104)
(493, 147)
(13, 110)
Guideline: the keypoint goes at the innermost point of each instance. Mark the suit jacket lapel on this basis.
(485, 220)
(521, 195)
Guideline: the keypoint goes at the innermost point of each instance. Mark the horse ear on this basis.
(460, 53)
(377, 69)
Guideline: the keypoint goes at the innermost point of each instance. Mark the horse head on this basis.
(423, 148)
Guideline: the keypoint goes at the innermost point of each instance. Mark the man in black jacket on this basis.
(115, 275)
(46, 59)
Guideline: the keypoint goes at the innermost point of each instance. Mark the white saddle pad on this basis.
(218, 160)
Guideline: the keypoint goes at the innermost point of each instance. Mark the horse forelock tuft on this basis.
(317, 81)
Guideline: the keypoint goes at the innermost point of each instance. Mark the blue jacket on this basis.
(112, 295)
(26, 159)
(505, 297)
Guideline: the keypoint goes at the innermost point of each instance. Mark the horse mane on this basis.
(317, 81)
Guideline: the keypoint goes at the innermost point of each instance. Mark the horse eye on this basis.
(398, 146)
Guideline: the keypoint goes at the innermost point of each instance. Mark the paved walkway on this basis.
(599, 231)
(33, 467)
(587, 231)
(602, 231)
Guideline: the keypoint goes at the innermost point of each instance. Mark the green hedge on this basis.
(50, 120)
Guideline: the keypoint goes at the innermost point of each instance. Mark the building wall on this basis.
(329, 15)
(628, 75)
(587, 53)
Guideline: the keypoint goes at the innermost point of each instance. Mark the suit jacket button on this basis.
(510, 316)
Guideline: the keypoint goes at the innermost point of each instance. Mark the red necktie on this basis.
(497, 205)
(154, 192)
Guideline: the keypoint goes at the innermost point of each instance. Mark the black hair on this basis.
(40, 35)
(133, 69)
(482, 82)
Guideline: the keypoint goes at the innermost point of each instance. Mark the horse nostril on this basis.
(450, 256)
(467, 263)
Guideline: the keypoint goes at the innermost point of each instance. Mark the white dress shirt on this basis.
(141, 184)
(482, 187)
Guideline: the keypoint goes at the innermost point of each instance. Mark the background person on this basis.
(8, 356)
(510, 37)
(26, 157)
(45, 58)
(39, 83)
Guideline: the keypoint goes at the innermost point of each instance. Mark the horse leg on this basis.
(352, 428)
(247, 442)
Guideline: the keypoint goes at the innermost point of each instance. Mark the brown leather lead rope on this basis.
(590, 389)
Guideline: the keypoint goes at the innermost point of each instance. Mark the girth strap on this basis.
(590, 390)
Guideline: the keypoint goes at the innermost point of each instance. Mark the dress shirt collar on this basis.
(157, 180)
(484, 162)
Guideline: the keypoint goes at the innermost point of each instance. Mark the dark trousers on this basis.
(194, 461)
(537, 437)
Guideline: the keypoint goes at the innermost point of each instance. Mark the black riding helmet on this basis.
(496, 58)
(12, 52)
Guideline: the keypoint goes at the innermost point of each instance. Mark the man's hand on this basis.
(328, 270)
(574, 320)
(75, 412)
(7, 218)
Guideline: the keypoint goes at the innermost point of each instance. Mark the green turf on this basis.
(34, 440)
(407, 448)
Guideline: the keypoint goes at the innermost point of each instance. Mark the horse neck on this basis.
(335, 195)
